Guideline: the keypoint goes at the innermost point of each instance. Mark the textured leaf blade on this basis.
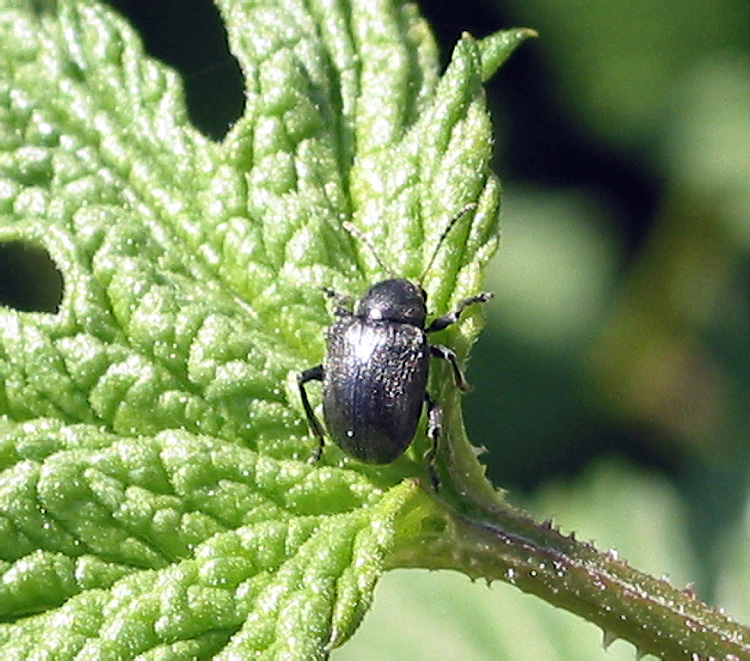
(155, 495)
(191, 536)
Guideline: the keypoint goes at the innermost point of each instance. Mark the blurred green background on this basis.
(612, 381)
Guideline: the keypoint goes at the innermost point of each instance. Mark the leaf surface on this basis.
(156, 499)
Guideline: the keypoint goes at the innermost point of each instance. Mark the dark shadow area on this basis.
(189, 36)
(29, 279)
(537, 418)
(540, 141)
(532, 406)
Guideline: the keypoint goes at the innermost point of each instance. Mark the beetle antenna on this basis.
(467, 209)
(354, 231)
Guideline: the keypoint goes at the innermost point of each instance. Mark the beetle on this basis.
(375, 370)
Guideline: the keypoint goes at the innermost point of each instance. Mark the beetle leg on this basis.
(434, 429)
(344, 303)
(313, 374)
(439, 351)
(452, 317)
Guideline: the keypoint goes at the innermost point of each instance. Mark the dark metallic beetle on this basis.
(375, 372)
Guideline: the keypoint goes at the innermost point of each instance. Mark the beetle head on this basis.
(396, 300)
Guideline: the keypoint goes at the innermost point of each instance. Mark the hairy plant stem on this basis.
(469, 527)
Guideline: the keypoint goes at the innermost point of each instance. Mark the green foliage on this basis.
(155, 495)
(156, 498)
(614, 63)
(447, 616)
(637, 515)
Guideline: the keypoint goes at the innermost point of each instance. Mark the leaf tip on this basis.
(497, 47)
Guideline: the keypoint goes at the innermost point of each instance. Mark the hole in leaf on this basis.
(189, 36)
(29, 280)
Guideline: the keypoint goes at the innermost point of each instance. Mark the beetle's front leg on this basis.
(313, 374)
(434, 429)
(439, 351)
(344, 303)
(452, 317)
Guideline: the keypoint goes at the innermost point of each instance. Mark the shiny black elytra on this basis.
(376, 366)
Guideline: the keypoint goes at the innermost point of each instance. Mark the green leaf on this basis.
(156, 499)
(181, 543)
(156, 495)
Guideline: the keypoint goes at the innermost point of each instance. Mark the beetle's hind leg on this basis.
(452, 317)
(313, 374)
(434, 430)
